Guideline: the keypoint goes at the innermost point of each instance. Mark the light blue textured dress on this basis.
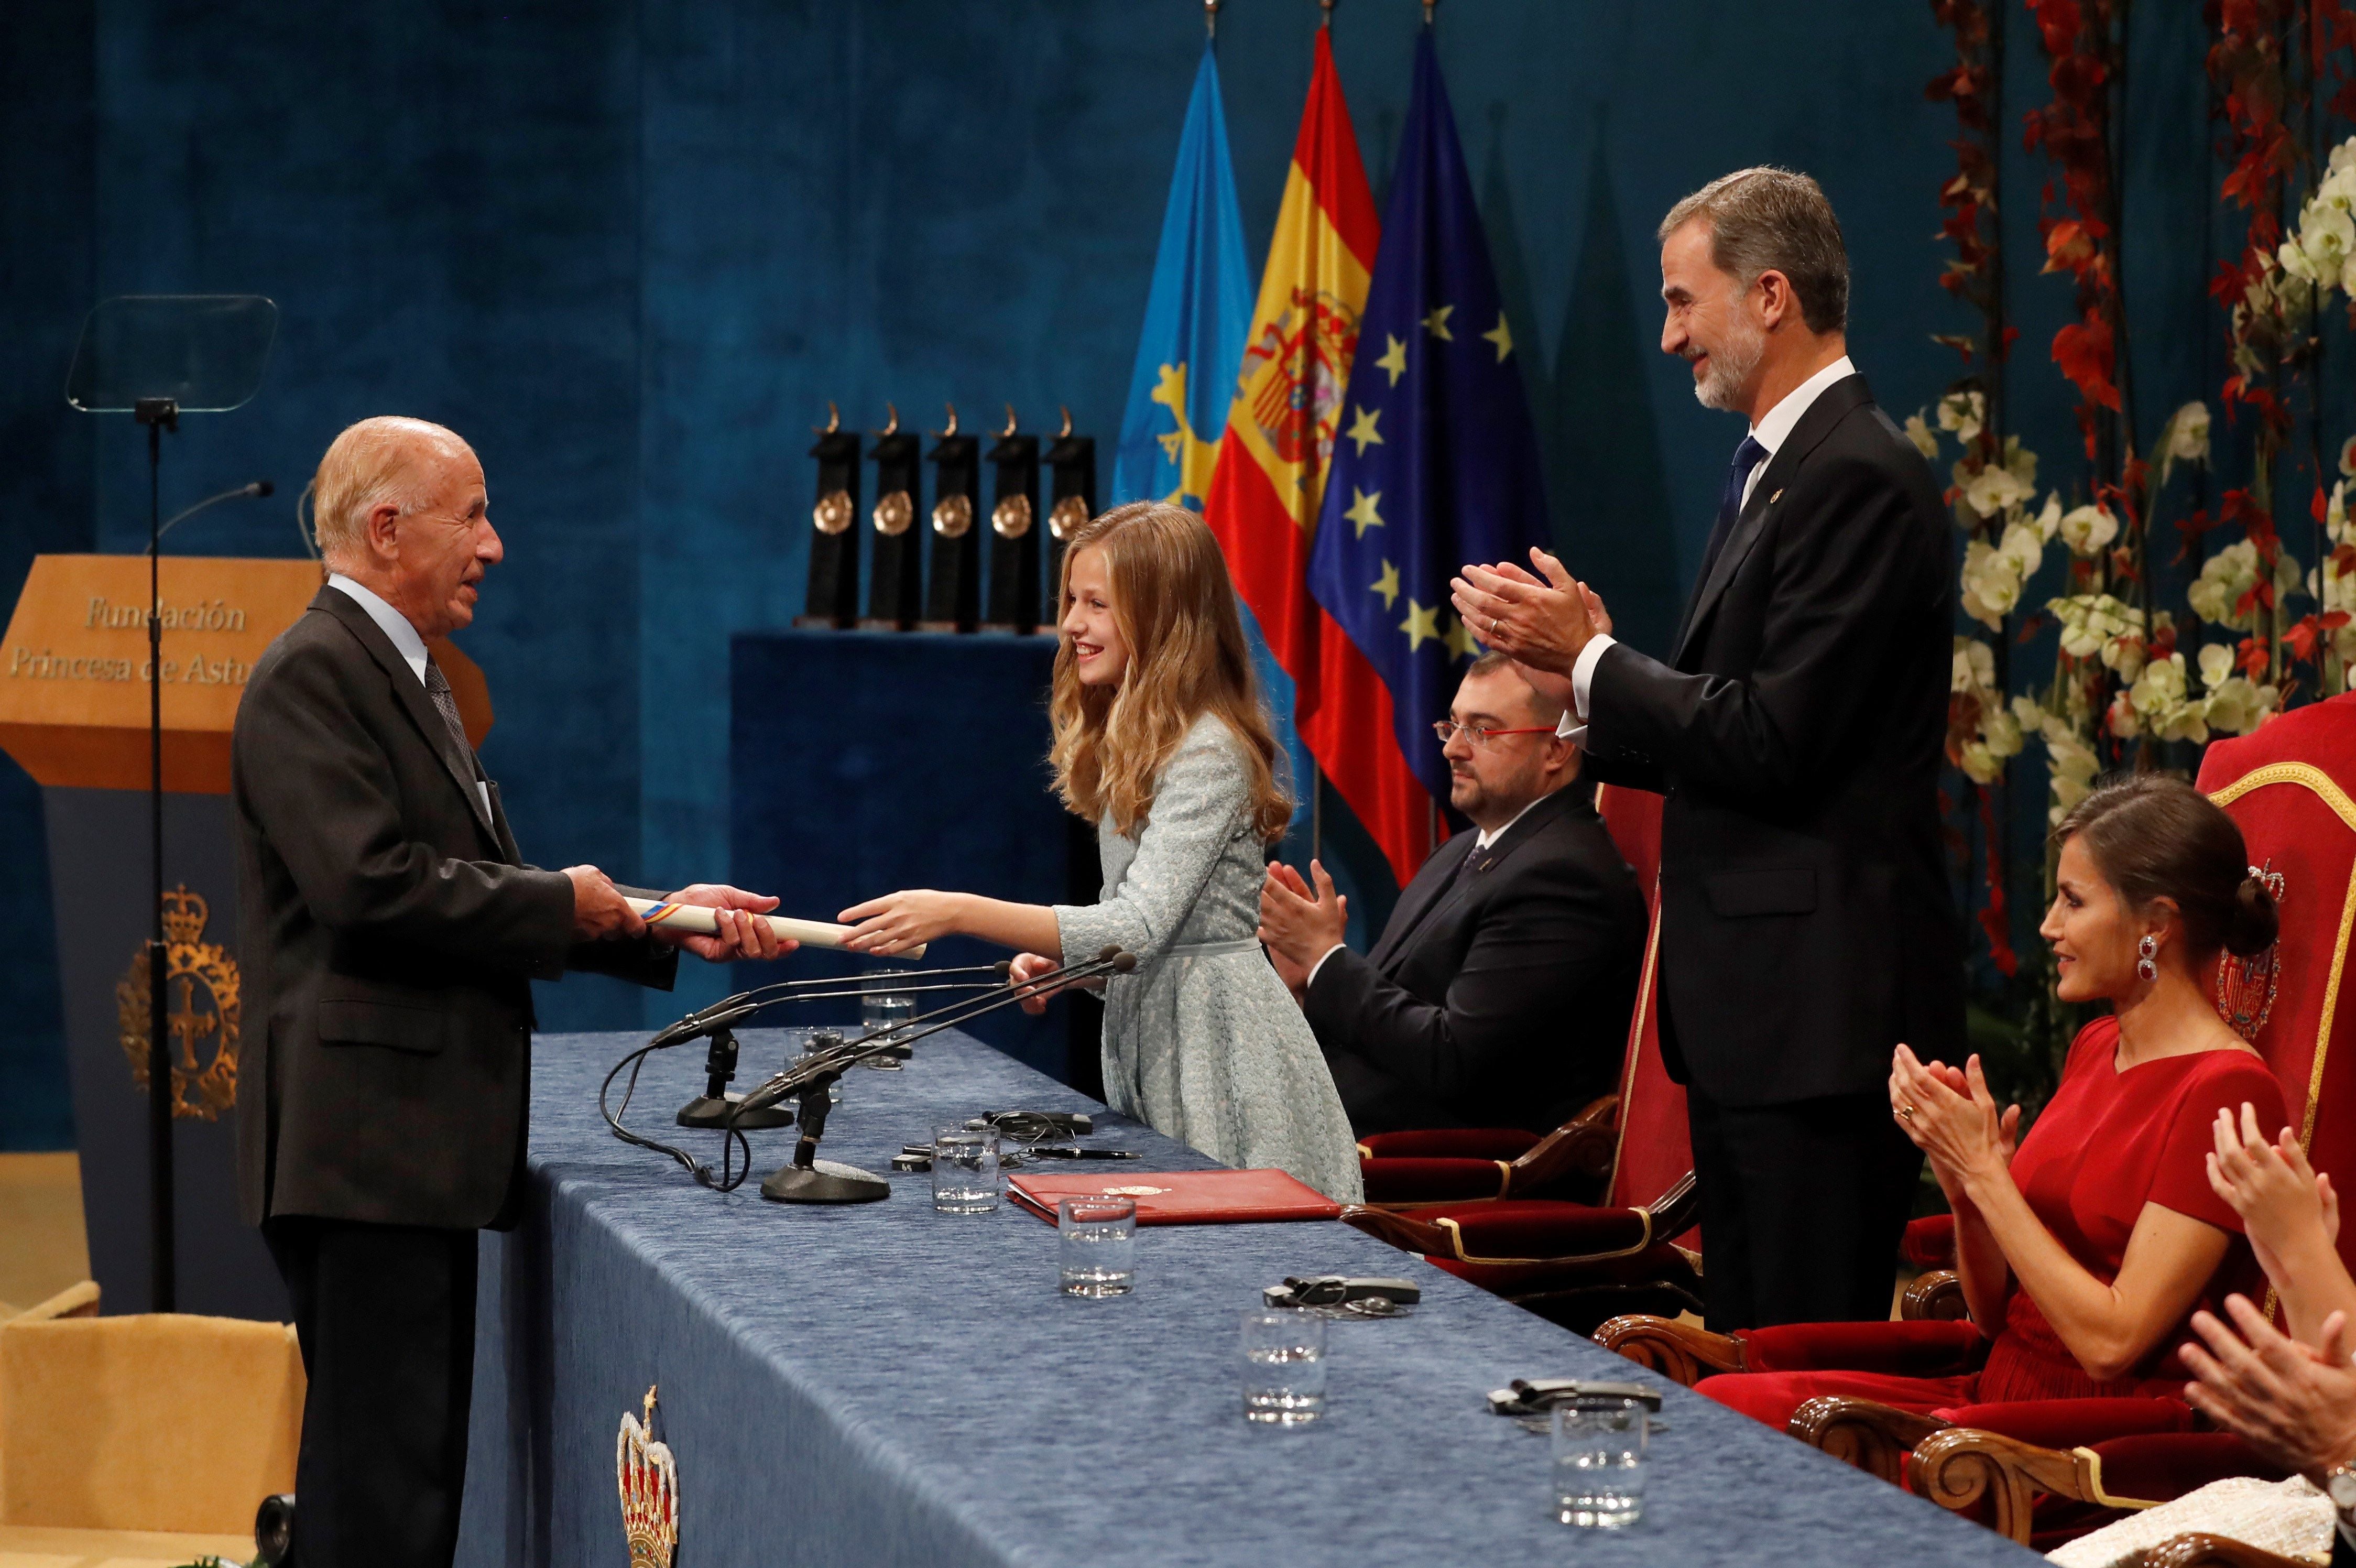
(1203, 1041)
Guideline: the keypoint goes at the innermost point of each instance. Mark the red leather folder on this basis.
(1183, 1198)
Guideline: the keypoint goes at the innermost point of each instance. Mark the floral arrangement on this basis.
(2147, 649)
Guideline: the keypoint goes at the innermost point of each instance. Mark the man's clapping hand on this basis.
(1298, 926)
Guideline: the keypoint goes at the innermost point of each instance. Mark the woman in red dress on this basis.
(2084, 1254)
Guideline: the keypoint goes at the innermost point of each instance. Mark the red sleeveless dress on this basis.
(2107, 1144)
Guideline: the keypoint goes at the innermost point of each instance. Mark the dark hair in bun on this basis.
(2154, 837)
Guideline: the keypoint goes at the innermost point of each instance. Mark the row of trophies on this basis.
(899, 596)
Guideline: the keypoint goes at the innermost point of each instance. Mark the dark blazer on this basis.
(1496, 998)
(1806, 923)
(387, 932)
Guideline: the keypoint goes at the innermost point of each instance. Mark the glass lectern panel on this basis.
(204, 352)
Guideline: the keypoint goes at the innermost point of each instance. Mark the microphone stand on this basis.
(712, 1109)
(809, 1179)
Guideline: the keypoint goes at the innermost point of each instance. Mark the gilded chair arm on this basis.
(1401, 1230)
(1963, 1468)
(1934, 1297)
(1875, 1438)
(1584, 1145)
(1679, 1352)
(2200, 1550)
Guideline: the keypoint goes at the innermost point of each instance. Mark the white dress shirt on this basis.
(405, 640)
(1772, 431)
(1486, 837)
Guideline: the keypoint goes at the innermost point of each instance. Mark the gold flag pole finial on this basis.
(1210, 18)
(1428, 6)
(1008, 434)
(952, 429)
(891, 425)
(1327, 19)
(1065, 434)
(833, 420)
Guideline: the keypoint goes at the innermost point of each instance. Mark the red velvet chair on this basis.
(2026, 1467)
(1574, 1263)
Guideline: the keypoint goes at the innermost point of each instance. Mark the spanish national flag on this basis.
(1273, 458)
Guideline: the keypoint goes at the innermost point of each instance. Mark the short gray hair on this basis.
(370, 464)
(1770, 220)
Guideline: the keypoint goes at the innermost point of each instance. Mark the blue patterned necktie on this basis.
(1747, 457)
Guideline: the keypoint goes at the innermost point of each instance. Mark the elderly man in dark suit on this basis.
(1499, 993)
(390, 931)
(1797, 729)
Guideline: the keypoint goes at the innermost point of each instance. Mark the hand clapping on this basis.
(1543, 622)
(1951, 1118)
(2284, 1204)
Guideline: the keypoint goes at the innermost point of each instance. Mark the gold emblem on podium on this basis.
(1011, 518)
(200, 987)
(953, 516)
(1070, 515)
(893, 513)
(648, 1477)
(832, 514)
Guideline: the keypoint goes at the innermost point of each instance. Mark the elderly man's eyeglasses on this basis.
(1474, 733)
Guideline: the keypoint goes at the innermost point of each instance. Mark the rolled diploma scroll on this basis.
(699, 919)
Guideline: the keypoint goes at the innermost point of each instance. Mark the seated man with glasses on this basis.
(1499, 993)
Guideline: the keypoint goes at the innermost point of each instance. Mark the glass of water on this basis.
(965, 1169)
(885, 1012)
(1098, 1243)
(824, 1040)
(1284, 1367)
(1599, 1461)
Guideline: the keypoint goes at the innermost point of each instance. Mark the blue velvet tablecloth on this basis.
(882, 1385)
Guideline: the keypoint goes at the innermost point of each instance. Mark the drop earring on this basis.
(2146, 952)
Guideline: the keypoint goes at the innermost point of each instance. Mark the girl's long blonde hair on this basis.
(1177, 615)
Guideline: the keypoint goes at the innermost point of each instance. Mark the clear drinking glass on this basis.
(1599, 1461)
(1097, 1245)
(824, 1040)
(965, 1169)
(881, 1012)
(1284, 1367)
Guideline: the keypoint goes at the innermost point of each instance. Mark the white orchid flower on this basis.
(2086, 530)
(1919, 434)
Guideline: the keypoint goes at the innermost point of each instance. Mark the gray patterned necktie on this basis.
(437, 686)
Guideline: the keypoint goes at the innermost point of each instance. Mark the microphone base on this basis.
(827, 1182)
(704, 1110)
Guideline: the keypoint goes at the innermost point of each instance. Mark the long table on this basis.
(880, 1384)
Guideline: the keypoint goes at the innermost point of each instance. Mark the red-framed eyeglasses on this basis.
(1446, 730)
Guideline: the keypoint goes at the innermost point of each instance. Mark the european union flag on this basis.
(1198, 311)
(1438, 461)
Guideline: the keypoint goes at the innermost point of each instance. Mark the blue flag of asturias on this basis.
(1438, 460)
(1195, 318)
(1197, 314)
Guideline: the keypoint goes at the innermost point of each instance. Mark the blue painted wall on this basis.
(630, 249)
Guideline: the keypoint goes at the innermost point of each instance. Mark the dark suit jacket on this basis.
(388, 931)
(1806, 925)
(1498, 998)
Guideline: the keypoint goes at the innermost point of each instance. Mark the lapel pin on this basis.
(1776, 497)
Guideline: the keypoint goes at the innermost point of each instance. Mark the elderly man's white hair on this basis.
(370, 464)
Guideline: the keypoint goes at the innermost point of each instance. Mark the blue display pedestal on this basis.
(864, 762)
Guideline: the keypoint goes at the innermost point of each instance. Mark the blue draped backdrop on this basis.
(631, 247)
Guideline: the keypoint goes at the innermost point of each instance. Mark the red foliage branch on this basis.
(2073, 133)
(2254, 93)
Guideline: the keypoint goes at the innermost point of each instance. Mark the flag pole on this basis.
(1316, 809)
(1211, 18)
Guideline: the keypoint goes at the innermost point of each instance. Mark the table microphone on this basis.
(808, 1179)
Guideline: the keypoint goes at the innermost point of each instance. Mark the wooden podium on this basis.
(73, 714)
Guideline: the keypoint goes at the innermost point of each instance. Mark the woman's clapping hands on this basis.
(2284, 1204)
(1951, 1118)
